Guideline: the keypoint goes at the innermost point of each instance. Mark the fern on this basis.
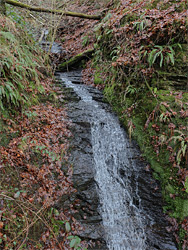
(159, 52)
(161, 61)
(8, 35)
(151, 57)
(18, 64)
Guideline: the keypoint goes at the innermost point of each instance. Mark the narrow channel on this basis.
(124, 220)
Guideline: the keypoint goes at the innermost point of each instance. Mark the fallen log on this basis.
(57, 12)
(74, 60)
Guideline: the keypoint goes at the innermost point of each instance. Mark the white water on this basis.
(122, 220)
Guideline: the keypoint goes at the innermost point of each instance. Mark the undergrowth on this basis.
(34, 141)
(141, 63)
(20, 61)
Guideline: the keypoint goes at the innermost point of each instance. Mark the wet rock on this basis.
(87, 190)
(92, 231)
(90, 195)
(151, 200)
(83, 177)
(54, 47)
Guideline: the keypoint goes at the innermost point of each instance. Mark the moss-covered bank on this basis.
(141, 63)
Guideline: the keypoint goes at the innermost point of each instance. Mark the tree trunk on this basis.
(58, 12)
(2, 7)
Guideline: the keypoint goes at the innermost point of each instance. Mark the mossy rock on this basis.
(173, 76)
(76, 59)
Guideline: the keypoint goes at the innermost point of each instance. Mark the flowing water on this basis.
(116, 174)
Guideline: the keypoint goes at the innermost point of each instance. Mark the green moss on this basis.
(76, 59)
(185, 209)
(135, 102)
(164, 6)
(170, 189)
(180, 208)
(163, 171)
(97, 78)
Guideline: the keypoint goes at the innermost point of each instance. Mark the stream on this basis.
(121, 203)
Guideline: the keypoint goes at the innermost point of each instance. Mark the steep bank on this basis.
(140, 61)
(34, 141)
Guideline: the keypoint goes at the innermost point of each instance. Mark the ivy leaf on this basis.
(67, 227)
(73, 243)
(17, 194)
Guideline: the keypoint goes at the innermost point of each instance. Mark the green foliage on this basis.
(107, 17)
(186, 184)
(163, 53)
(181, 144)
(18, 67)
(140, 26)
(85, 41)
(115, 52)
(109, 91)
(75, 242)
(131, 90)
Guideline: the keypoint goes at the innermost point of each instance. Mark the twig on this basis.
(29, 225)
(45, 222)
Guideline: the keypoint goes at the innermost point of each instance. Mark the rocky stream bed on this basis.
(120, 202)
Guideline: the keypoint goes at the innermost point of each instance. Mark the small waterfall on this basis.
(123, 220)
(55, 48)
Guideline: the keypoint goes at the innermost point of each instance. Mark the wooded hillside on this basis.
(137, 55)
